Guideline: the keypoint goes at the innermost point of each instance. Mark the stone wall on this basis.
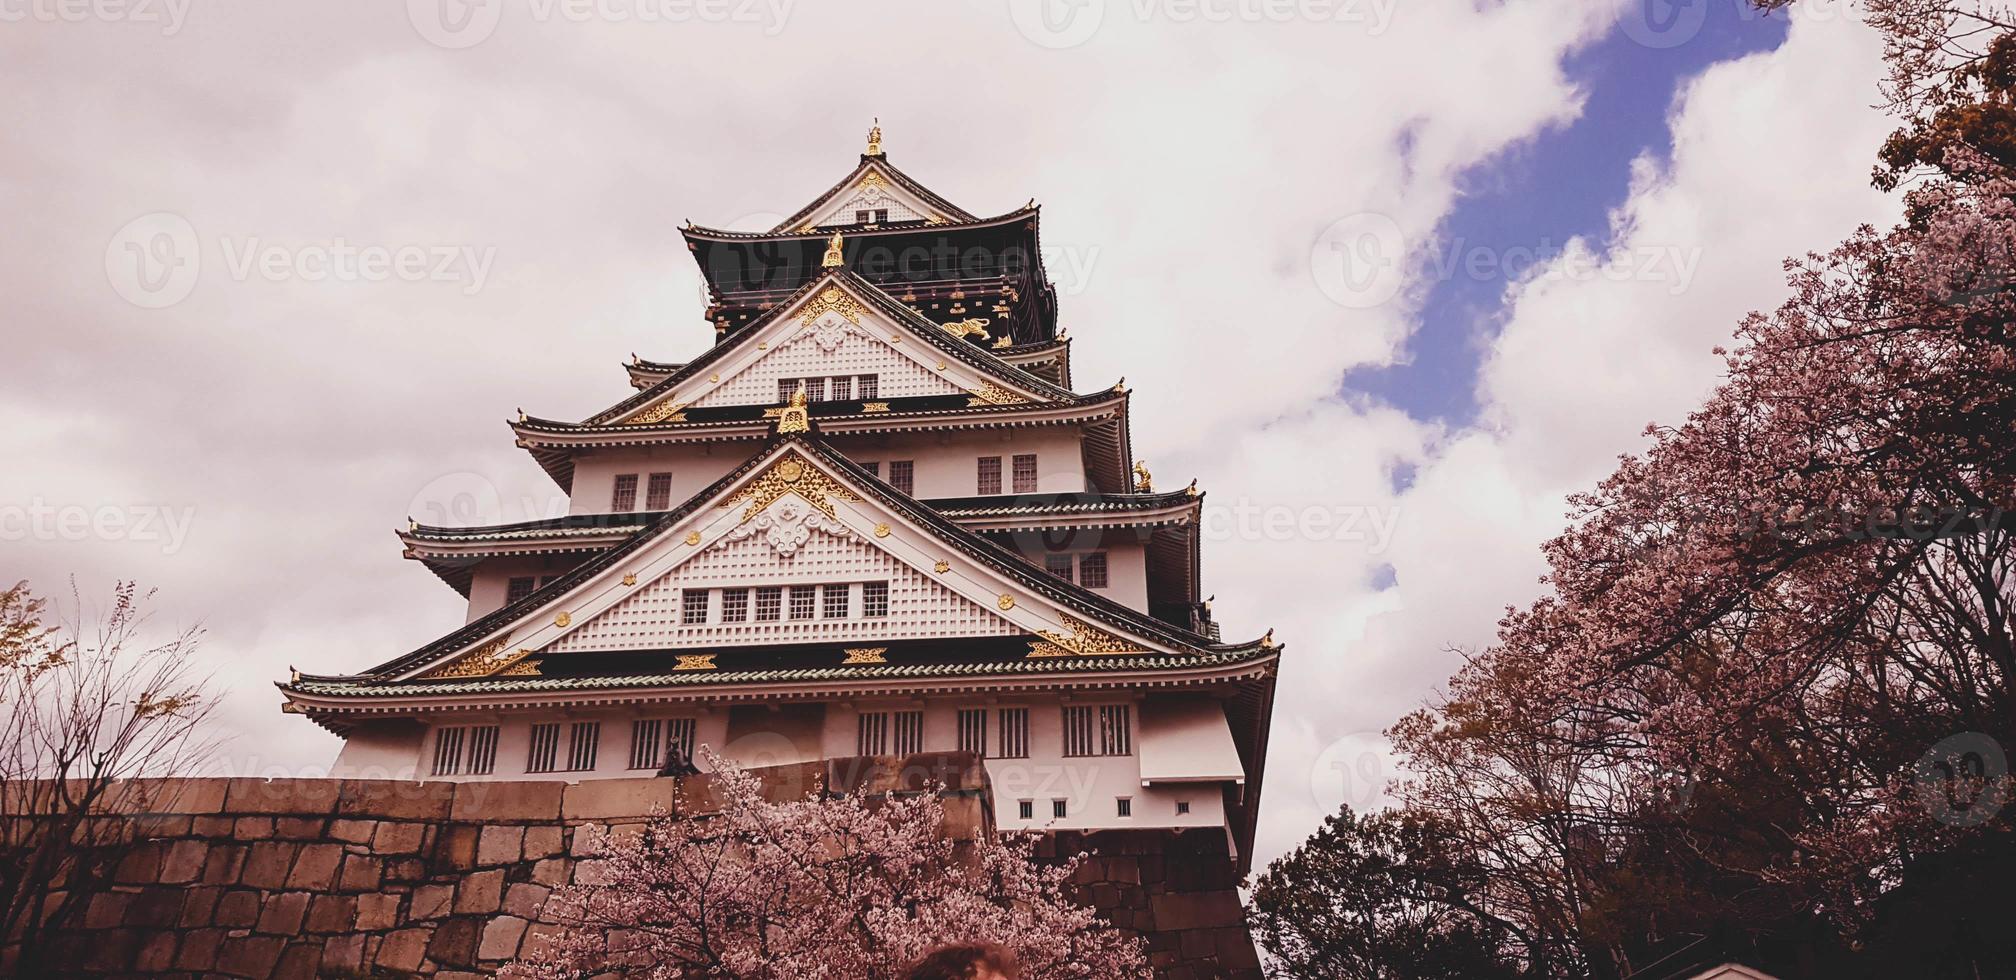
(371, 878)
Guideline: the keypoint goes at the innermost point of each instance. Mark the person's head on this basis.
(966, 961)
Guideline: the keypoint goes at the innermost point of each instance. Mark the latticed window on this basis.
(682, 737)
(644, 740)
(866, 386)
(871, 735)
(482, 750)
(1058, 565)
(582, 742)
(448, 750)
(519, 588)
(769, 604)
(544, 753)
(834, 601)
(1025, 472)
(909, 730)
(1092, 569)
(989, 481)
(903, 475)
(625, 497)
(843, 388)
(874, 469)
(815, 389)
(693, 606)
(1014, 733)
(1098, 730)
(973, 731)
(786, 387)
(734, 605)
(803, 600)
(874, 599)
(658, 493)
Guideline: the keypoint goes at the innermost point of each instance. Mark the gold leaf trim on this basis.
(832, 299)
(563, 619)
(865, 655)
(994, 393)
(790, 475)
(666, 411)
(692, 537)
(696, 661)
(870, 407)
(1085, 640)
(881, 530)
(483, 661)
(1006, 602)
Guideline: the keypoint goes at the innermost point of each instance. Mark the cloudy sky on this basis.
(1391, 277)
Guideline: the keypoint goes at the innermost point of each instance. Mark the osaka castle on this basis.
(879, 516)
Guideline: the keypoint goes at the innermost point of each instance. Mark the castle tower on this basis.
(876, 517)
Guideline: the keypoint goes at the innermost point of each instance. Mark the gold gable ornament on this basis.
(865, 655)
(833, 258)
(832, 299)
(795, 417)
(484, 661)
(1085, 640)
(696, 661)
(790, 475)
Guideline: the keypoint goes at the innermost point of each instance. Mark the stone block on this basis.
(1176, 911)
(211, 825)
(250, 956)
(315, 868)
(157, 953)
(253, 828)
(606, 799)
(198, 907)
(198, 949)
(376, 912)
(454, 942)
(155, 908)
(543, 841)
(238, 909)
(389, 799)
(281, 796)
(455, 847)
(224, 864)
(494, 802)
(161, 825)
(352, 831)
(431, 902)
(524, 899)
(398, 838)
(403, 950)
(551, 872)
(500, 845)
(480, 893)
(281, 915)
(343, 954)
(500, 938)
(405, 870)
(300, 961)
(361, 873)
(539, 936)
(267, 864)
(184, 861)
(300, 828)
(331, 913)
(107, 909)
(142, 864)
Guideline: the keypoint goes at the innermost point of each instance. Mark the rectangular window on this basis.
(909, 732)
(1058, 809)
(989, 481)
(871, 735)
(1025, 472)
(1116, 730)
(1123, 807)
(881, 216)
(1026, 809)
(693, 606)
(658, 492)
(874, 469)
(482, 750)
(843, 388)
(1092, 569)
(861, 217)
(1079, 726)
(734, 605)
(903, 475)
(874, 599)
(1182, 807)
(834, 601)
(681, 739)
(815, 389)
(581, 744)
(769, 604)
(545, 751)
(866, 386)
(1101, 730)
(625, 497)
(786, 387)
(448, 751)
(645, 738)
(973, 731)
(1058, 565)
(803, 599)
(519, 588)
(1014, 733)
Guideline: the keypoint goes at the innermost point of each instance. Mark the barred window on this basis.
(874, 469)
(973, 731)
(519, 588)
(815, 389)
(545, 750)
(448, 751)
(582, 741)
(989, 481)
(1014, 733)
(658, 492)
(1123, 806)
(785, 388)
(874, 599)
(871, 735)
(734, 605)
(693, 606)
(1098, 730)
(903, 475)
(1058, 565)
(681, 739)
(835, 601)
(482, 750)
(645, 734)
(909, 732)
(1025, 473)
(803, 600)
(625, 497)
(1092, 569)
(769, 603)
(1058, 809)
(866, 386)
(1026, 809)
(843, 388)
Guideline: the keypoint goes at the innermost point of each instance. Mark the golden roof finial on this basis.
(1192, 488)
(1144, 482)
(795, 417)
(1121, 386)
(833, 259)
(521, 414)
(875, 139)
(1267, 642)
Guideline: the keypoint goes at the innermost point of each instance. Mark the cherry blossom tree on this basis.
(826, 887)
